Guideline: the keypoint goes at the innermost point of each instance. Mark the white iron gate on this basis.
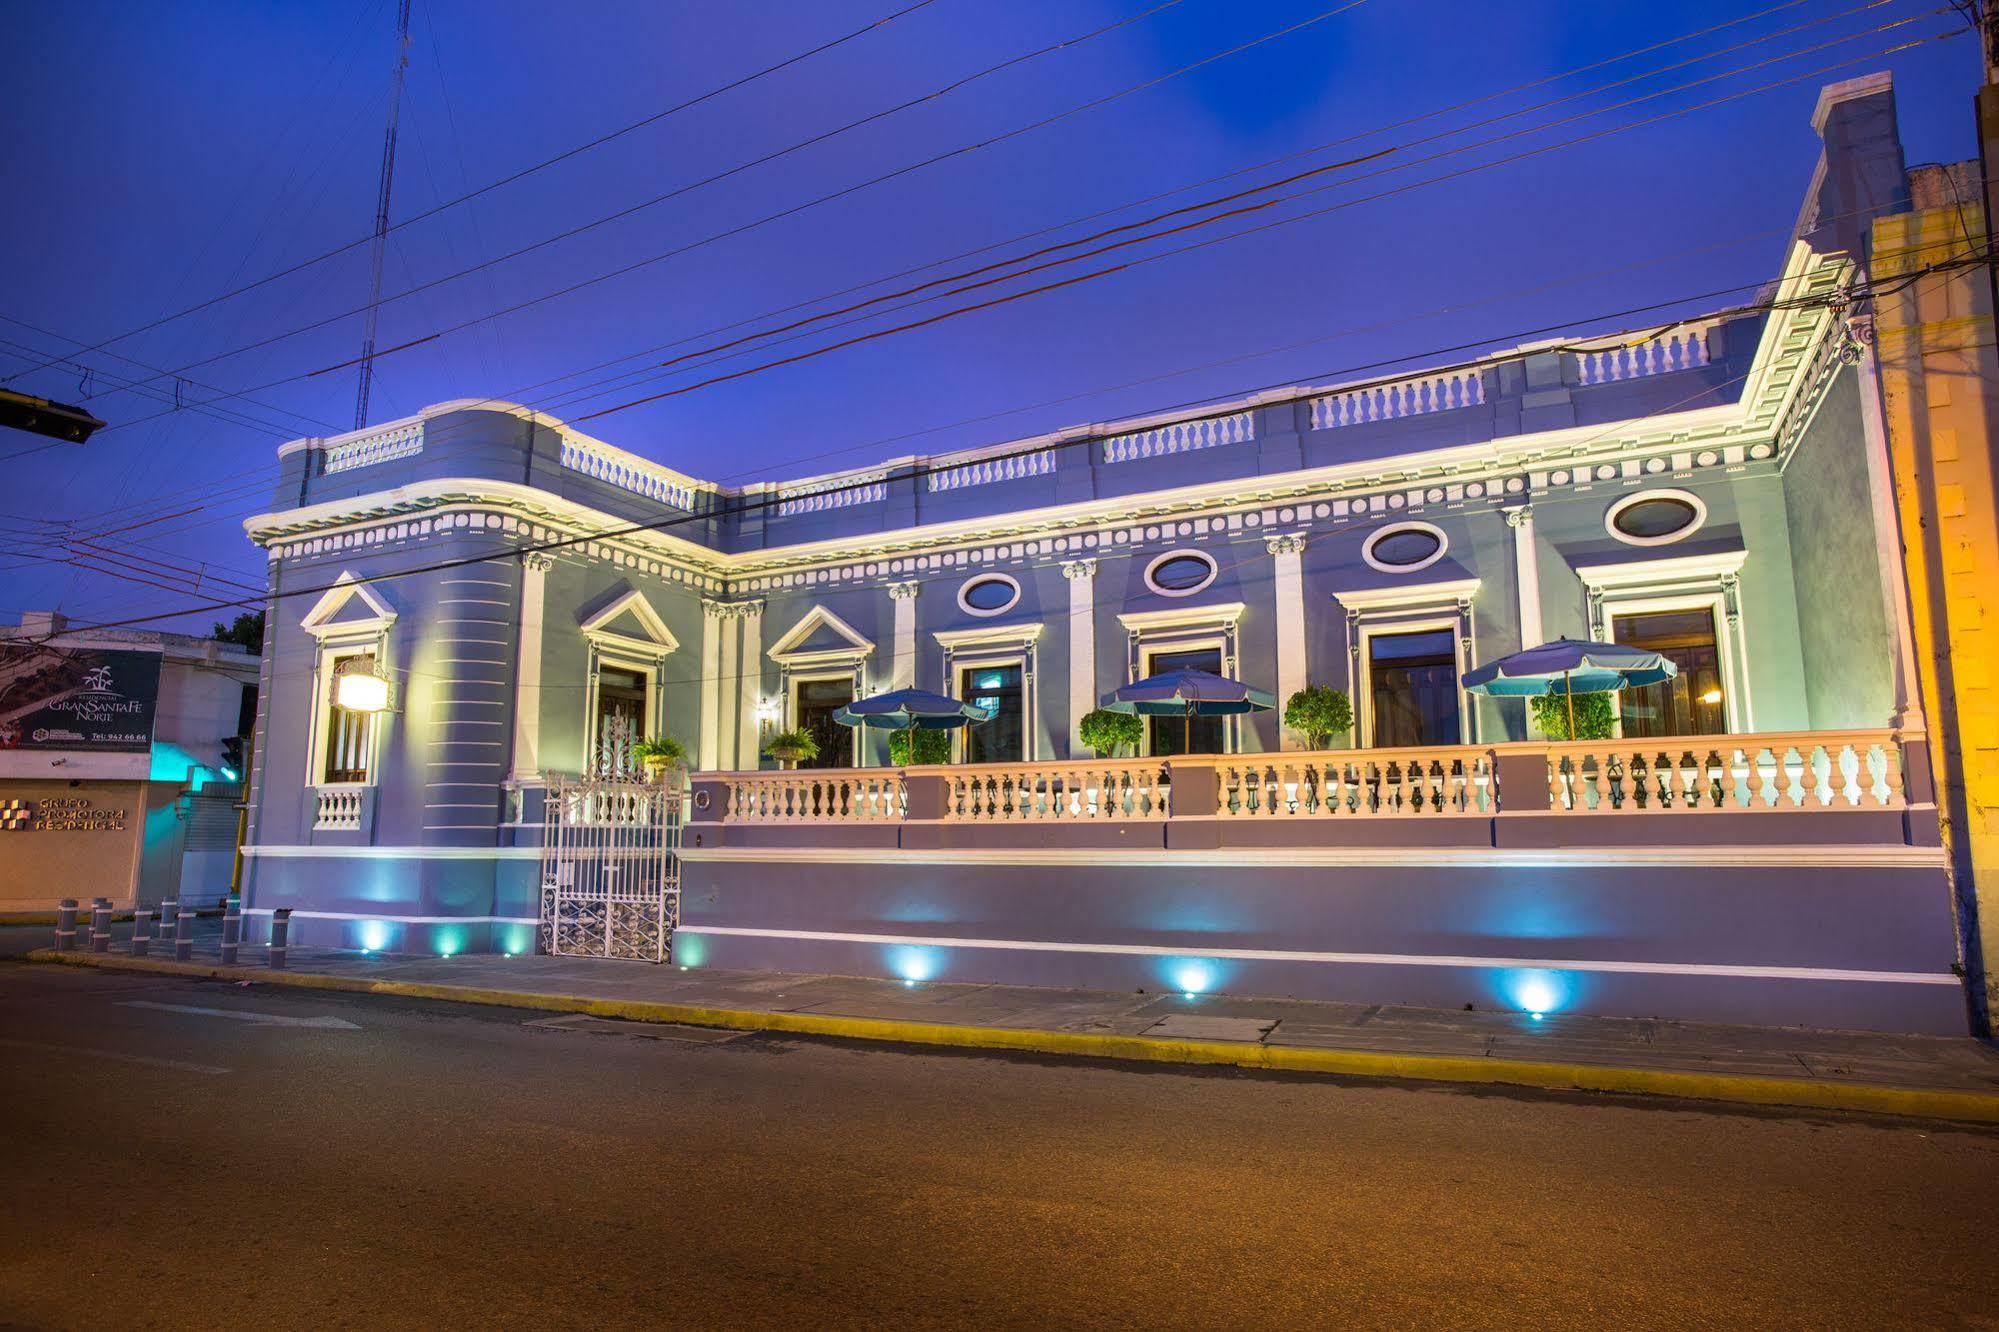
(610, 872)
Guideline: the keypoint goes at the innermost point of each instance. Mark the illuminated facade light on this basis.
(362, 691)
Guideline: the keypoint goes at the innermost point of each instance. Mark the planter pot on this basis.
(656, 770)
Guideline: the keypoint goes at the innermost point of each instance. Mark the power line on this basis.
(1113, 269)
(922, 470)
(1252, 190)
(522, 174)
(1482, 167)
(763, 221)
(802, 144)
(881, 442)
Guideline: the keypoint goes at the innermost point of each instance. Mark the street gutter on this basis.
(1741, 1089)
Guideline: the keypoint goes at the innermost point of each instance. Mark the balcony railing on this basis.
(1812, 770)
(1045, 792)
(1736, 775)
(1357, 784)
(339, 808)
(819, 795)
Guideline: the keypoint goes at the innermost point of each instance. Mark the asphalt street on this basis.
(181, 1153)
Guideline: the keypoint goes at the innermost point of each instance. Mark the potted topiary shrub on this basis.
(793, 747)
(1320, 713)
(1594, 716)
(660, 754)
(919, 745)
(1108, 732)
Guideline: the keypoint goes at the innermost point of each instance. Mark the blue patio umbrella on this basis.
(1570, 666)
(1188, 694)
(911, 709)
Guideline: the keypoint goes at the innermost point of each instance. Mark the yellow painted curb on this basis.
(1804, 1093)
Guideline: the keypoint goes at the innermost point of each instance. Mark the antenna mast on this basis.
(382, 211)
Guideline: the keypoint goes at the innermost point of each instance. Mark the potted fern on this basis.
(793, 747)
(659, 754)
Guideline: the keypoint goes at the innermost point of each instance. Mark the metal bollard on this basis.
(281, 928)
(66, 925)
(142, 933)
(100, 925)
(184, 937)
(232, 929)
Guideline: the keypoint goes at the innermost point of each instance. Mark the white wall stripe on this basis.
(1265, 857)
(399, 920)
(397, 852)
(1363, 959)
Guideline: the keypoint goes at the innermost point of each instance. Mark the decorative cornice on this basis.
(1452, 592)
(1507, 470)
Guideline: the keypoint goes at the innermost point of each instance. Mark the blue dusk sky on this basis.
(161, 155)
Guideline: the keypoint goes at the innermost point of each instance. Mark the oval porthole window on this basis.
(1180, 573)
(988, 594)
(1404, 548)
(1655, 517)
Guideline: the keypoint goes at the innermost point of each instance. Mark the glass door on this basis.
(620, 721)
(1691, 703)
(818, 700)
(998, 689)
(1178, 735)
(1413, 688)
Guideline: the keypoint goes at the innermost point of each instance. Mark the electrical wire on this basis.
(922, 470)
(1237, 235)
(521, 174)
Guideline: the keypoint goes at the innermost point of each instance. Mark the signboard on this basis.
(59, 814)
(79, 699)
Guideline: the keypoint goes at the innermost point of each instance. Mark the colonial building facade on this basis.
(1715, 489)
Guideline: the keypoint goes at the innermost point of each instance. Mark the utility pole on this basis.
(382, 210)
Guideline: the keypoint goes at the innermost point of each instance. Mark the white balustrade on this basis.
(1807, 770)
(1418, 395)
(1181, 437)
(1356, 783)
(367, 450)
(833, 492)
(339, 809)
(948, 475)
(1055, 792)
(628, 471)
(1682, 347)
(818, 795)
(1817, 770)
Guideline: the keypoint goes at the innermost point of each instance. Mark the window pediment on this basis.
(349, 609)
(629, 621)
(819, 637)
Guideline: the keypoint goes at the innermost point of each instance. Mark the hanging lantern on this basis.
(360, 689)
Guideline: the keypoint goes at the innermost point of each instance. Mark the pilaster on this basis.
(526, 765)
(902, 661)
(1288, 582)
(1082, 578)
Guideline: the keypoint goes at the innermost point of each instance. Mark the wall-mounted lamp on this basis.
(360, 689)
(1711, 696)
(768, 711)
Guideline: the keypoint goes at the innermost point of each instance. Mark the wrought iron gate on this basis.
(610, 869)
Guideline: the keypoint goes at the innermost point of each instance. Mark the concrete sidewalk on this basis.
(1940, 1077)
